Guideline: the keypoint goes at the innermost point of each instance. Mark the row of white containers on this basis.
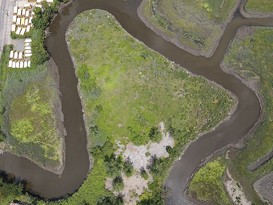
(24, 21)
(19, 55)
(20, 30)
(19, 64)
(23, 11)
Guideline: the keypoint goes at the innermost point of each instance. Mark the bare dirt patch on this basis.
(235, 191)
(140, 156)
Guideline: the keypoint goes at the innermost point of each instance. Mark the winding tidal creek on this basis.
(77, 164)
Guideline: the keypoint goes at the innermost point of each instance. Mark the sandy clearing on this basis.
(235, 191)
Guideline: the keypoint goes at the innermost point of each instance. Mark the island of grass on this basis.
(133, 98)
(195, 25)
(259, 6)
(207, 183)
(250, 57)
(31, 114)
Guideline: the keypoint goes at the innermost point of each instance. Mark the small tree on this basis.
(118, 183)
(143, 173)
(128, 167)
(155, 134)
(113, 164)
(110, 200)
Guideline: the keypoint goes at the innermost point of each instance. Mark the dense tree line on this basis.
(41, 21)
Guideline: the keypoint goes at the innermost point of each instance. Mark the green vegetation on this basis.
(28, 124)
(18, 36)
(113, 164)
(251, 57)
(92, 190)
(128, 167)
(33, 124)
(196, 24)
(14, 192)
(28, 99)
(118, 183)
(41, 21)
(207, 183)
(128, 90)
(259, 6)
(122, 80)
(143, 173)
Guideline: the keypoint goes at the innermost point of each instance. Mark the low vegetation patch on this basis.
(208, 185)
(28, 121)
(127, 90)
(252, 53)
(29, 98)
(196, 24)
(259, 6)
(33, 124)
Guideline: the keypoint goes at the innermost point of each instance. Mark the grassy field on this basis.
(196, 24)
(129, 89)
(259, 6)
(251, 57)
(207, 183)
(28, 121)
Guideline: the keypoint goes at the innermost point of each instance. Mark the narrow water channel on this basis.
(49, 185)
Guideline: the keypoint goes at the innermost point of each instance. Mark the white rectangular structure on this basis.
(18, 30)
(27, 55)
(27, 44)
(28, 28)
(13, 64)
(10, 64)
(17, 65)
(15, 9)
(23, 12)
(23, 21)
(27, 51)
(25, 64)
(49, 1)
(11, 54)
(27, 13)
(14, 17)
(28, 64)
(20, 55)
(27, 5)
(19, 12)
(27, 48)
(18, 21)
(28, 40)
(26, 22)
(15, 55)
(23, 31)
(21, 64)
(13, 28)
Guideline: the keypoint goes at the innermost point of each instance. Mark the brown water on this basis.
(49, 185)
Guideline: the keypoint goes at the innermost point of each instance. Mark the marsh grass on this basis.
(253, 53)
(28, 126)
(196, 24)
(259, 6)
(207, 183)
(128, 89)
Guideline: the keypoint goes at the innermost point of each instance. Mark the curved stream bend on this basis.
(49, 185)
